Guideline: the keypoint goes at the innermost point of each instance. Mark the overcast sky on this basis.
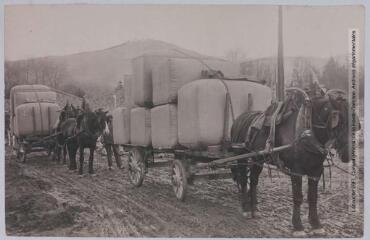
(36, 31)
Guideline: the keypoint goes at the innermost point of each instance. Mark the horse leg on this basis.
(117, 156)
(72, 152)
(108, 149)
(297, 201)
(91, 160)
(312, 203)
(255, 172)
(59, 152)
(50, 147)
(64, 154)
(80, 170)
(242, 180)
(55, 152)
(72, 158)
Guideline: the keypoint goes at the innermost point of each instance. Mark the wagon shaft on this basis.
(242, 156)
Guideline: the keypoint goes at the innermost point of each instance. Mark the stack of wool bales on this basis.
(134, 117)
(169, 104)
(168, 78)
(34, 108)
(152, 125)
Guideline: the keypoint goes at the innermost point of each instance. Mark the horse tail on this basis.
(239, 134)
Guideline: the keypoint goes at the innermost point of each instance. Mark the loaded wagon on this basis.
(189, 117)
(33, 113)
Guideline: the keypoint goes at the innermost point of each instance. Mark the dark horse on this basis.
(66, 117)
(310, 124)
(89, 126)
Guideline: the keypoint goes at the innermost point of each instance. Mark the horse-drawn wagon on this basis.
(215, 127)
(192, 134)
(33, 113)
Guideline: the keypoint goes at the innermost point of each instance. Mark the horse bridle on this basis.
(320, 124)
(334, 117)
(87, 131)
(325, 124)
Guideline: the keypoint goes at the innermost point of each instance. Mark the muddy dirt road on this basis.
(44, 198)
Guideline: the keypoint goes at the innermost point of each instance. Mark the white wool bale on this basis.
(164, 126)
(143, 67)
(21, 94)
(128, 90)
(140, 127)
(201, 109)
(28, 97)
(121, 125)
(30, 94)
(35, 118)
(173, 73)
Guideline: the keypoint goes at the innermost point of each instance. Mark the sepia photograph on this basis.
(184, 120)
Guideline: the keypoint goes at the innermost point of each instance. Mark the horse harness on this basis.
(304, 134)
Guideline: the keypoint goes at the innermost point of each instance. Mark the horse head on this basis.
(103, 119)
(92, 123)
(73, 111)
(330, 119)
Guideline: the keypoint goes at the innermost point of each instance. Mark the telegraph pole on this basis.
(280, 59)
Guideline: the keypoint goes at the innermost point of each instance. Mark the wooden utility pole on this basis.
(280, 59)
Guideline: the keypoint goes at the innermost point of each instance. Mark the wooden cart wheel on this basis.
(179, 179)
(21, 156)
(136, 167)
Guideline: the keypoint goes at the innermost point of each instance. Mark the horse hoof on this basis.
(299, 234)
(247, 214)
(318, 232)
(256, 214)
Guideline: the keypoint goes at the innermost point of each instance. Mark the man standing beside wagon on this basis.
(110, 146)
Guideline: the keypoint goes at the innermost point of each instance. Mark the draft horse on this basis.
(310, 124)
(90, 125)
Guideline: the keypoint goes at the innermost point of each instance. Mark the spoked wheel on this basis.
(179, 179)
(136, 167)
(21, 156)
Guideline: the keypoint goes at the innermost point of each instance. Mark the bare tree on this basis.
(303, 73)
(335, 75)
(34, 71)
(236, 55)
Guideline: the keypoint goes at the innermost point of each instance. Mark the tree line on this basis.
(39, 71)
(300, 72)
